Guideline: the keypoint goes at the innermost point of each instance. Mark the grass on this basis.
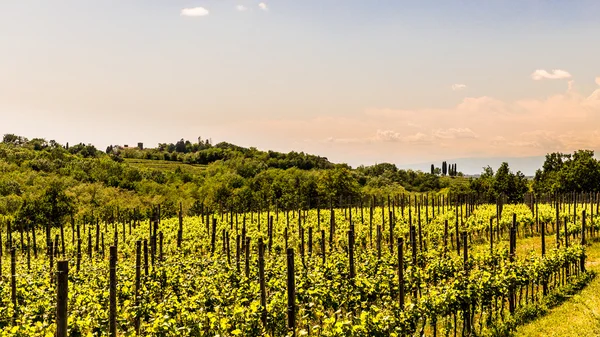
(575, 311)
(164, 165)
(577, 316)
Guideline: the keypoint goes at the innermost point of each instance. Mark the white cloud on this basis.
(393, 136)
(241, 8)
(555, 74)
(388, 135)
(194, 12)
(263, 6)
(455, 133)
(458, 86)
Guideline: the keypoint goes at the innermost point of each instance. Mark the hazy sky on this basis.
(355, 81)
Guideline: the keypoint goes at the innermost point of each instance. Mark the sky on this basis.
(355, 81)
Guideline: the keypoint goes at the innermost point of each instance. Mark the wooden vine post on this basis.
(138, 272)
(214, 235)
(62, 298)
(378, 241)
(323, 245)
(457, 234)
(582, 258)
(13, 280)
(310, 241)
(113, 292)
(291, 293)
(492, 236)
(146, 257)
(237, 252)
(445, 236)
(566, 232)
(261, 276)
(401, 272)
(545, 280)
(512, 244)
(78, 266)
(351, 254)
(557, 224)
(467, 307)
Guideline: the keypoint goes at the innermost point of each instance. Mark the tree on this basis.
(432, 169)
(444, 168)
(568, 173)
(180, 146)
(513, 186)
(10, 138)
(48, 209)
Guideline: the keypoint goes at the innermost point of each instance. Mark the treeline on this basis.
(36, 176)
(205, 153)
(560, 174)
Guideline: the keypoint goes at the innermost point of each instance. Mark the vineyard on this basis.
(408, 265)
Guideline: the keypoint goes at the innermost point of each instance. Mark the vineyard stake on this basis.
(456, 228)
(78, 255)
(566, 233)
(180, 231)
(62, 298)
(146, 257)
(90, 244)
(138, 270)
(467, 308)
(291, 292)
(401, 272)
(214, 233)
(323, 245)
(310, 241)
(582, 258)
(351, 254)
(228, 249)
(391, 233)
(113, 292)
(445, 236)
(97, 236)
(28, 253)
(261, 276)
(237, 253)
(491, 236)
(557, 224)
(13, 280)
(378, 241)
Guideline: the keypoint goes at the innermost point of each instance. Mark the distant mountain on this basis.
(474, 166)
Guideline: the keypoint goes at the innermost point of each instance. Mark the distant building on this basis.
(141, 146)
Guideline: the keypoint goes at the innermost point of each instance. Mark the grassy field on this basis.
(163, 165)
(578, 316)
